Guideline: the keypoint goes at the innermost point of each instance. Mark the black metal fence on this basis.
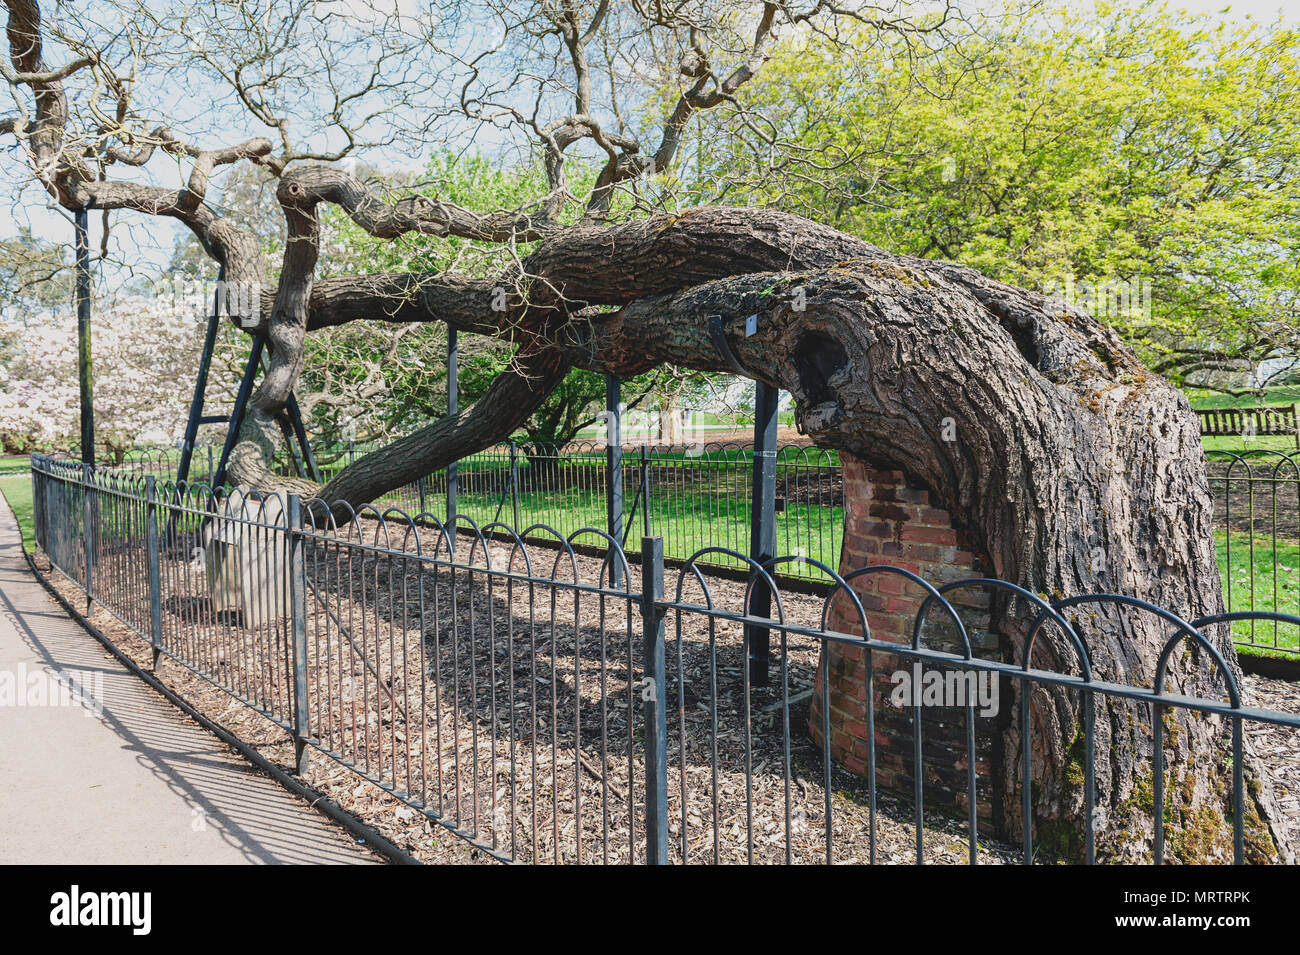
(701, 496)
(511, 693)
(1257, 533)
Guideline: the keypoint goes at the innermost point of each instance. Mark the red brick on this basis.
(854, 765)
(934, 516)
(882, 478)
(861, 544)
(856, 728)
(881, 530)
(904, 607)
(932, 535)
(929, 553)
(895, 584)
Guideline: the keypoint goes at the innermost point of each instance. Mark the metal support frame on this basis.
(90, 526)
(153, 555)
(237, 414)
(614, 468)
(453, 408)
(298, 623)
(196, 417)
(641, 499)
(514, 483)
(291, 424)
(86, 383)
(762, 526)
(644, 490)
(304, 443)
(511, 490)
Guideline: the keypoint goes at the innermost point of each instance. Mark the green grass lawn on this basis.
(17, 489)
(710, 520)
(1274, 585)
(1239, 445)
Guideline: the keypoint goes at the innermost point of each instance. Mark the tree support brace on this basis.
(291, 422)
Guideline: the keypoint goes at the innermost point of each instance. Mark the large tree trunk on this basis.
(1071, 469)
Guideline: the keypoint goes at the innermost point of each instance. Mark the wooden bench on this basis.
(1245, 422)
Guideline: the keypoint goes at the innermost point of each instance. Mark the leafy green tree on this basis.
(34, 273)
(1138, 161)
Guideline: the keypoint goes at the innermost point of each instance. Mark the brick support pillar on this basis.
(891, 519)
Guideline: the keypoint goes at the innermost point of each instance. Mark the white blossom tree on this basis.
(146, 350)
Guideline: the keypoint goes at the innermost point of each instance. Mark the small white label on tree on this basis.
(751, 325)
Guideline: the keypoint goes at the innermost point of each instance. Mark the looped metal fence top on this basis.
(696, 494)
(235, 506)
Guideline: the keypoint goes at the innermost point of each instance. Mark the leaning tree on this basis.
(1070, 467)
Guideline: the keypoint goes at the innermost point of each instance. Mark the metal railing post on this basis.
(155, 566)
(514, 483)
(654, 696)
(38, 503)
(614, 469)
(88, 512)
(453, 408)
(762, 526)
(298, 633)
(85, 364)
(419, 490)
(45, 492)
(645, 490)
